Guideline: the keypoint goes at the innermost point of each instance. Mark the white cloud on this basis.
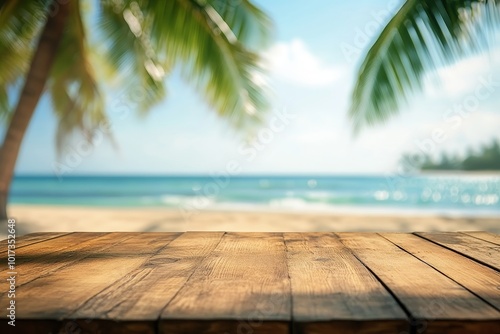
(462, 77)
(478, 129)
(294, 62)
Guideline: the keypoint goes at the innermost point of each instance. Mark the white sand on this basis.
(33, 218)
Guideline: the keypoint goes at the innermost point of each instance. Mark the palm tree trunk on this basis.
(33, 88)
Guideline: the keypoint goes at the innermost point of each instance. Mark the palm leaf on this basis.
(73, 87)
(249, 24)
(140, 41)
(128, 52)
(423, 35)
(194, 34)
(20, 23)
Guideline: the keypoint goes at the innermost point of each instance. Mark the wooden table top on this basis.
(224, 282)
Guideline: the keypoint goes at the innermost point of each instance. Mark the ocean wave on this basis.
(196, 202)
(475, 195)
(319, 195)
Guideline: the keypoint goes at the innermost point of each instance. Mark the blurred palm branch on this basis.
(421, 37)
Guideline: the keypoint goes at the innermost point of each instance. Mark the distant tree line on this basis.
(486, 158)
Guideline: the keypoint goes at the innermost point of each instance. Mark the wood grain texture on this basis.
(434, 300)
(241, 286)
(58, 295)
(217, 282)
(46, 251)
(332, 291)
(41, 266)
(485, 282)
(29, 239)
(490, 237)
(480, 250)
(143, 293)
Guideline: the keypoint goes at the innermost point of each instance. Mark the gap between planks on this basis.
(433, 300)
(479, 250)
(485, 282)
(485, 236)
(31, 239)
(51, 313)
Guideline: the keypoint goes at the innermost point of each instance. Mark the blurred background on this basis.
(251, 115)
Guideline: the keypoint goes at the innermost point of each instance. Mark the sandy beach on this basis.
(34, 218)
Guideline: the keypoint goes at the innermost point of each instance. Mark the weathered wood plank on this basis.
(45, 251)
(144, 292)
(30, 239)
(482, 280)
(332, 292)
(438, 304)
(481, 251)
(58, 295)
(34, 266)
(493, 238)
(242, 286)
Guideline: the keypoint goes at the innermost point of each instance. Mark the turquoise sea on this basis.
(424, 194)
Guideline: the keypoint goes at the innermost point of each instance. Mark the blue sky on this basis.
(311, 76)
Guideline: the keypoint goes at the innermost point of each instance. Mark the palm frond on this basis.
(20, 23)
(423, 35)
(73, 87)
(250, 24)
(194, 35)
(128, 51)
